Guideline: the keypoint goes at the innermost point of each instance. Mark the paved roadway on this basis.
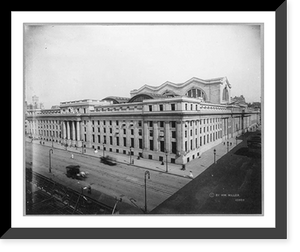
(118, 181)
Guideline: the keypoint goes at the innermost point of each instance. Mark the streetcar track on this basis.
(119, 176)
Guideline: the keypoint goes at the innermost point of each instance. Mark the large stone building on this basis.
(173, 121)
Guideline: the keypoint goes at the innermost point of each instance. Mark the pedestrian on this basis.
(89, 190)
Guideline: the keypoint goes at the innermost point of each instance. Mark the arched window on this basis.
(225, 95)
(195, 93)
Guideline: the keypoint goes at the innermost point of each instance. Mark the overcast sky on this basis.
(69, 62)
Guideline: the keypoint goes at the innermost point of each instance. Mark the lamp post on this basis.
(82, 146)
(167, 170)
(80, 195)
(50, 152)
(147, 174)
(118, 200)
(215, 161)
(52, 139)
(130, 154)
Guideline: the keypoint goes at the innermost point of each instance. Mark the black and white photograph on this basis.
(143, 119)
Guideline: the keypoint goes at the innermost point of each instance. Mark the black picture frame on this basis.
(281, 230)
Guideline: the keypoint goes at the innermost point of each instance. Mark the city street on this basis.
(120, 181)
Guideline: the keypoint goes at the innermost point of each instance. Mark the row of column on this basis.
(156, 137)
(71, 133)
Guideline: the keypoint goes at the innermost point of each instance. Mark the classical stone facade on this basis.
(177, 122)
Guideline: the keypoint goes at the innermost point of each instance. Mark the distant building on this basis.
(173, 121)
(35, 103)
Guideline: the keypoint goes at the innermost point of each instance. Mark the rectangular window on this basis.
(132, 142)
(161, 107)
(185, 145)
(149, 156)
(161, 124)
(173, 147)
(173, 107)
(173, 124)
(124, 141)
(140, 144)
(98, 139)
(173, 134)
(111, 140)
(151, 145)
(150, 107)
(124, 131)
(104, 139)
(131, 131)
(151, 124)
(191, 144)
(162, 146)
(110, 130)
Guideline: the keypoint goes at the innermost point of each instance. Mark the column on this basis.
(155, 136)
(188, 136)
(128, 134)
(79, 144)
(167, 137)
(146, 135)
(136, 137)
(68, 133)
(179, 139)
(63, 129)
(73, 133)
(89, 134)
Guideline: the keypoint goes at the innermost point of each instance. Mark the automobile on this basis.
(73, 171)
(107, 160)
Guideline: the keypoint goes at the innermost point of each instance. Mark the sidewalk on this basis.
(196, 166)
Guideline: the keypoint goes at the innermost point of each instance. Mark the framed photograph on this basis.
(149, 125)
